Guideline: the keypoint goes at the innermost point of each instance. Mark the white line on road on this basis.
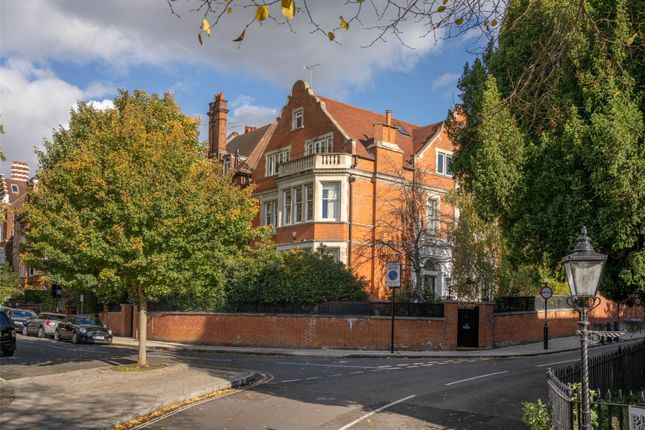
(324, 365)
(557, 362)
(356, 421)
(356, 373)
(290, 380)
(476, 377)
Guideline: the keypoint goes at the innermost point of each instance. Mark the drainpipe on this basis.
(352, 179)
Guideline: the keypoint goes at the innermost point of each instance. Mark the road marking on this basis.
(324, 365)
(339, 374)
(476, 377)
(290, 380)
(312, 377)
(557, 362)
(356, 373)
(375, 411)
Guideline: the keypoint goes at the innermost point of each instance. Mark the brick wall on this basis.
(295, 331)
(360, 332)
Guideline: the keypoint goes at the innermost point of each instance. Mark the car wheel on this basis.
(74, 337)
(57, 336)
(41, 332)
(7, 353)
(24, 331)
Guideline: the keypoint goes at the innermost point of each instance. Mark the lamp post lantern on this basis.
(584, 269)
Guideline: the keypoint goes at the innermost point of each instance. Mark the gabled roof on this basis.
(359, 123)
(251, 144)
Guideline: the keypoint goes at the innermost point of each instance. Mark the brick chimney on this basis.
(20, 171)
(217, 127)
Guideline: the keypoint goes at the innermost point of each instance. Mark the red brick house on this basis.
(14, 192)
(325, 171)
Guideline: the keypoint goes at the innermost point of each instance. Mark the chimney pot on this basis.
(388, 117)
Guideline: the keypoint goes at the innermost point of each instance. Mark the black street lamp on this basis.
(584, 269)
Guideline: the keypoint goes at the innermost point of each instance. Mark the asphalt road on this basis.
(314, 393)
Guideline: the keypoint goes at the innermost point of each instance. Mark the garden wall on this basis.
(358, 332)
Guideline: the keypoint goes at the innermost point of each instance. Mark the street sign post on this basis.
(546, 292)
(393, 281)
(82, 304)
(636, 418)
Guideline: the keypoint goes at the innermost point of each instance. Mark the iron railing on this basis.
(622, 369)
(514, 304)
(616, 380)
(423, 310)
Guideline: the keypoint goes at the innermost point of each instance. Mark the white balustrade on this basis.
(317, 161)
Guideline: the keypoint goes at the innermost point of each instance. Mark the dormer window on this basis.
(297, 119)
(444, 162)
(319, 145)
(274, 159)
(14, 188)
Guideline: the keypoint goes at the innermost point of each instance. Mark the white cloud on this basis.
(101, 104)
(445, 80)
(245, 112)
(99, 89)
(121, 33)
(33, 102)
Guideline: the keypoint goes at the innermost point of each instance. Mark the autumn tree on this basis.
(410, 229)
(577, 156)
(126, 204)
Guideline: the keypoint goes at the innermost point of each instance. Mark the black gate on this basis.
(468, 328)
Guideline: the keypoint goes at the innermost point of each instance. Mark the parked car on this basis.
(7, 335)
(44, 324)
(79, 328)
(21, 317)
(6, 310)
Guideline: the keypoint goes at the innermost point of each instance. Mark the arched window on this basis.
(432, 278)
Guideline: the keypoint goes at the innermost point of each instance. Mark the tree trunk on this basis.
(143, 329)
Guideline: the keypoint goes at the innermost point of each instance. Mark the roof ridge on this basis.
(367, 110)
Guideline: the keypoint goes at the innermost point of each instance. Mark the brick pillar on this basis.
(126, 320)
(486, 325)
(450, 315)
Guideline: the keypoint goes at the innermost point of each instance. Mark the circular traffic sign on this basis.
(393, 275)
(546, 292)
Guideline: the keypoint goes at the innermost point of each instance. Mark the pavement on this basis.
(556, 345)
(101, 397)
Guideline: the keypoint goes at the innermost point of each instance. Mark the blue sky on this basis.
(89, 49)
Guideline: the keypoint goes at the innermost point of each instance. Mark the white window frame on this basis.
(14, 188)
(270, 213)
(432, 214)
(274, 159)
(320, 145)
(298, 114)
(287, 209)
(290, 213)
(336, 208)
(444, 166)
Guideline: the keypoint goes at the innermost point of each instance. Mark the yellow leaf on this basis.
(199, 38)
(344, 23)
(240, 37)
(229, 10)
(631, 39)
(262, 13)
(459, 21)
(493, 22)
(206, 27)
(441, 9)
(331, 36)
(445, 1)
(288, 9)
(359, 1)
